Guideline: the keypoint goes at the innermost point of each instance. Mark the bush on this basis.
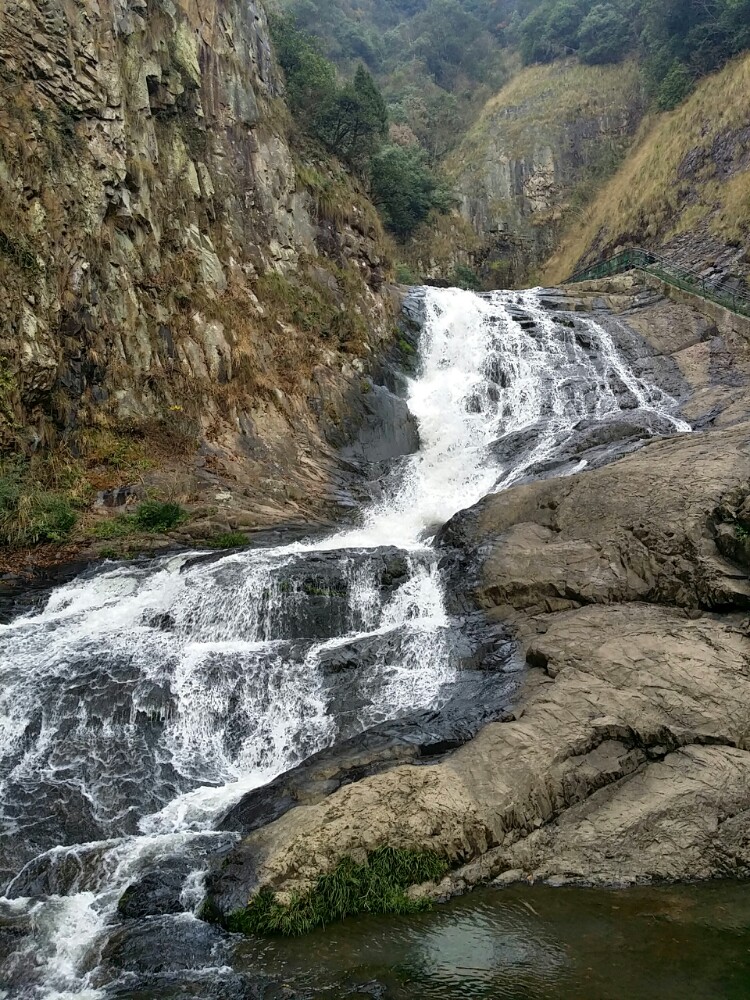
(228, 540)
(404, 189)
(152, 515)
(30, 514)
(375, 887)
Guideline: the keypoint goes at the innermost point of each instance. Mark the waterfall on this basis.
(143, 700)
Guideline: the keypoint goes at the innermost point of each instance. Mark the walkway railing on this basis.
(673, 274)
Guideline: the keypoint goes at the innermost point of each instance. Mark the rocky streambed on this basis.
(530, 658)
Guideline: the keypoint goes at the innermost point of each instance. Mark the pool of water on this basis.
(530, 943)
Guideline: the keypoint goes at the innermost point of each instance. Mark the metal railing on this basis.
(673, 274)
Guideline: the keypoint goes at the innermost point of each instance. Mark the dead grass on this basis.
(651, 197)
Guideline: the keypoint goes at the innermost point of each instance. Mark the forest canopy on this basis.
(462, 48)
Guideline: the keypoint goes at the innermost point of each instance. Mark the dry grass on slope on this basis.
(543, 99)
(688, 169)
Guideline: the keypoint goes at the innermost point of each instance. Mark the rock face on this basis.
(166, 274)
(681, 190)
(530, 156)
(627, 757)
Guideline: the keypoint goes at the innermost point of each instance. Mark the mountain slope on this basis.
(684, 187)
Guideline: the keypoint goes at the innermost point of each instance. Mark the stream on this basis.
(141, 701)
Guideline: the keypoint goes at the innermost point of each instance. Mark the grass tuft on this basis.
(351, 888)
(30, 513)
(228, 540)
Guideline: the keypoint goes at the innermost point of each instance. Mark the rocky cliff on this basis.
(183, 291)
(531, 162)
(683, 188)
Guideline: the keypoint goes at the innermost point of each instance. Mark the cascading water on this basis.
(145, 699)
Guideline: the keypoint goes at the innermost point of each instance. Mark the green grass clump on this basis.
(375, 887)
(228, 540)
(29, 513)
(404, 346)
(116, 527)
(151, 516)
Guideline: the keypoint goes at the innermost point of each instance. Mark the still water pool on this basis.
(531, 943)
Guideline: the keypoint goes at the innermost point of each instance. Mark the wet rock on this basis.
(164, 944)
(157, 892)
(387, 429)
(632, 530)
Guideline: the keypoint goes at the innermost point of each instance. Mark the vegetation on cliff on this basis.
(687, 173)
(350, 120)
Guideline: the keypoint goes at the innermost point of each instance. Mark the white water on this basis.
(143, 701)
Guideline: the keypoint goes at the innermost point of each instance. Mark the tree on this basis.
(604, 35)
(403, 188)
(373, 105)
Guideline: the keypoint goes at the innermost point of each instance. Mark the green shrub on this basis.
(465, 277)
(375, 887)
(30, 514)
(152, 515)
(405, 275)
(228, 540)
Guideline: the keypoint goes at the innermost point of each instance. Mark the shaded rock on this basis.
(156, 892)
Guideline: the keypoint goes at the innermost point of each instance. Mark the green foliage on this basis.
(115, 527)
(604, 36)
(405, 275)
(404, 189)
(153, 515)
(350, 120)
(29, 513)
(375, 887)
(228, 540)
(679, 40)
(675, 86)
(465, 277)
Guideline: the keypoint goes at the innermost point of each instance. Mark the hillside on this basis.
(683, 188)
(532, 159)
(191, 295)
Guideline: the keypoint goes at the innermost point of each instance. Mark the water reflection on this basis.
(530, 943)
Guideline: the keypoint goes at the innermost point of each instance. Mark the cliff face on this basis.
(169, 276)
(684, 188)
(534, 156)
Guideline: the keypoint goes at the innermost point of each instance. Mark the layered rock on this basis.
(168, 272)
(530, 159)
